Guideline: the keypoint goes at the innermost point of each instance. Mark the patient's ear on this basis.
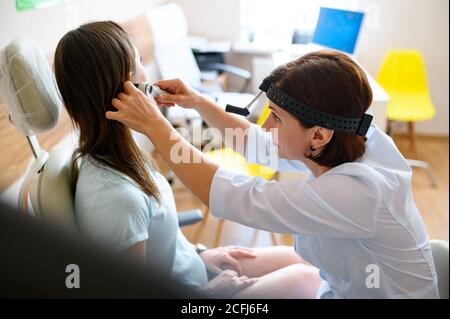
(129, 76)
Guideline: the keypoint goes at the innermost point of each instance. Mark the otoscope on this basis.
(149, 90)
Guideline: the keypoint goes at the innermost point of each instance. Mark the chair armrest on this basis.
(246, 75)
(231, 69)
(189, 217)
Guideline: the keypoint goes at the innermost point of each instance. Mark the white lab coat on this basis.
(357, 222)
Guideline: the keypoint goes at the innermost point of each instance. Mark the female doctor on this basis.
(355, 219)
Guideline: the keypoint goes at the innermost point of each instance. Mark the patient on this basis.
(124, 203)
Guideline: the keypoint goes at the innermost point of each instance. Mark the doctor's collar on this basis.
(306, 113)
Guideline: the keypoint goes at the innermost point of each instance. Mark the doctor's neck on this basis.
(315, 168)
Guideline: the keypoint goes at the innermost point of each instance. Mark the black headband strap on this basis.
(313, 116)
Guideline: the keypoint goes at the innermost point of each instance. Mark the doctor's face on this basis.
(293, 140)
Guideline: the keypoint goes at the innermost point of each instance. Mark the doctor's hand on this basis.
(227, 284)
(217, 259)
(178, 93)
(134, 109)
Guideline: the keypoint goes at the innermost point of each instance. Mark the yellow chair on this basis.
(256, 169)
(229, 159)
(403, 75)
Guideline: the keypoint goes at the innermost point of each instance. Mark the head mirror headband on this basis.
(308, 114)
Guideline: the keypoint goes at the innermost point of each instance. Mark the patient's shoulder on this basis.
(101, 186)
(93, 172)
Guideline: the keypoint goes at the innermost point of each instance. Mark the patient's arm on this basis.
(137, 252)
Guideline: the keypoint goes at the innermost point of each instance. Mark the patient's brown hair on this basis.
(91, 64)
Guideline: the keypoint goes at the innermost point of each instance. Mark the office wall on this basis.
(46, 26)
(419, 24)
(214, 19)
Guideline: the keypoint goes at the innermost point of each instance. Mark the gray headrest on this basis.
(28, 88)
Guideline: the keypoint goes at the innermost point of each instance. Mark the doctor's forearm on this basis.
(194, 170)
(215, 116)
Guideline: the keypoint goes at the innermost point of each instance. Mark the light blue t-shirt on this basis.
(111, 209)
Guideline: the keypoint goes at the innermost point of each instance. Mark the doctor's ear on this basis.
(321, 137)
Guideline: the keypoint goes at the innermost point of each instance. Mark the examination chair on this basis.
(439, 249)
(28, 89)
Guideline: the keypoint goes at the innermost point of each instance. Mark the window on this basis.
(278, 23)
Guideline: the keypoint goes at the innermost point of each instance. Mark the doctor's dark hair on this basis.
(331, 82)
(91, 64)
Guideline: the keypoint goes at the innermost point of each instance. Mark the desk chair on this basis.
(175, 58)
(33, 103)
(229, 159)
(403, 75)
(173, 53)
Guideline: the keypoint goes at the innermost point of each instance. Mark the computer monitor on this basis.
(338, 29)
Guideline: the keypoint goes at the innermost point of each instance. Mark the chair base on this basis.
(425, 166)
(412, 162)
